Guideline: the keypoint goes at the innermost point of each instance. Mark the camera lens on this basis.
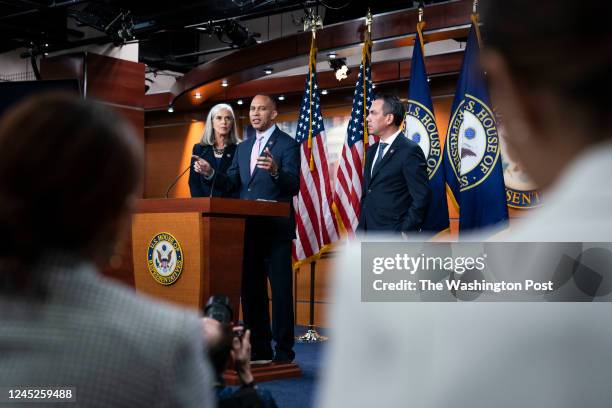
(218, 307)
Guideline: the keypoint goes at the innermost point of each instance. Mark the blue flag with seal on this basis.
(420, 127)
(472, 151)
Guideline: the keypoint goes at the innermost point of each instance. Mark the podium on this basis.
(208, 233)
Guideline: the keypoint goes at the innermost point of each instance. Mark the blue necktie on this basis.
(381, 151)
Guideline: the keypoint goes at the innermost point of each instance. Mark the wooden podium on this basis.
(210, 233)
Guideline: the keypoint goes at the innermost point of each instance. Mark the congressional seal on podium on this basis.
(165, 258)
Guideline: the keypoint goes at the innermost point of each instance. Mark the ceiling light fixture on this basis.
(224, 83)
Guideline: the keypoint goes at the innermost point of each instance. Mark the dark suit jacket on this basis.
(198, 186)
(396, 196)
(286, 153)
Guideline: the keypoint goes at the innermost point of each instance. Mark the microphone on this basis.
(176, 181)
(212, 185)
(179, 176)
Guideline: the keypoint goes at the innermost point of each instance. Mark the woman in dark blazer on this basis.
(218, 146)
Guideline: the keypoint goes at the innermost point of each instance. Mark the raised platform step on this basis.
(266, 372)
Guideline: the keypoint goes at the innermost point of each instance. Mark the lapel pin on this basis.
(391, 151)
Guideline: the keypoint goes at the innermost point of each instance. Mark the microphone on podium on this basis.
(176, 181)
(194, 156)
(212, 185)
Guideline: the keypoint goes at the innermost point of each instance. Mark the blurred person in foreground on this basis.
(548, 67)
(217, 147)
(69, 173)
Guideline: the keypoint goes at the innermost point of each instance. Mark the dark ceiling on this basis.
(161, 27)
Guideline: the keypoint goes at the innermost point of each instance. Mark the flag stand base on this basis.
(311, 336)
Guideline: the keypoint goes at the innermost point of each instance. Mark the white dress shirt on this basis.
(389, 142)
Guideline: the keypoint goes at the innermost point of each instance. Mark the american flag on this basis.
(350, 169)
(316, 227)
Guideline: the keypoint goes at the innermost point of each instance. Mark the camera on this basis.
(218, 307)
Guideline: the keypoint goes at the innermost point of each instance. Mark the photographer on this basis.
(226, 344)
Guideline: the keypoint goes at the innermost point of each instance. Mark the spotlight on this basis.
(224, 83)
(324, 92)
(238, 35)
(170, 109)
(198, 95)
(281, 98)
(428, 79)
(332, 55)
(268, 71)
(239, 101)
(340, 68)
(373, 86)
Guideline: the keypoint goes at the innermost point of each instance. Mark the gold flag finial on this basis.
(312, 22)
(475, 7)
(369, 21)
(420, 26)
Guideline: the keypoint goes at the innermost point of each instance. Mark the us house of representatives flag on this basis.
(420, 127)
(472, 151)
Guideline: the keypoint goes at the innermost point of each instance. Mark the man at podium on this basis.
(265, 167)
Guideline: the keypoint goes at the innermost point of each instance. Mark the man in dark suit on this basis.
(396, 193)
(265, 167)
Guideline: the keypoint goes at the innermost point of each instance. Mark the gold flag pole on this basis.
(366, 55)
(312, 23)
(474, 17)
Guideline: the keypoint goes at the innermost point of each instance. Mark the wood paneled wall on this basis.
(168, 151)
(118, 84)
